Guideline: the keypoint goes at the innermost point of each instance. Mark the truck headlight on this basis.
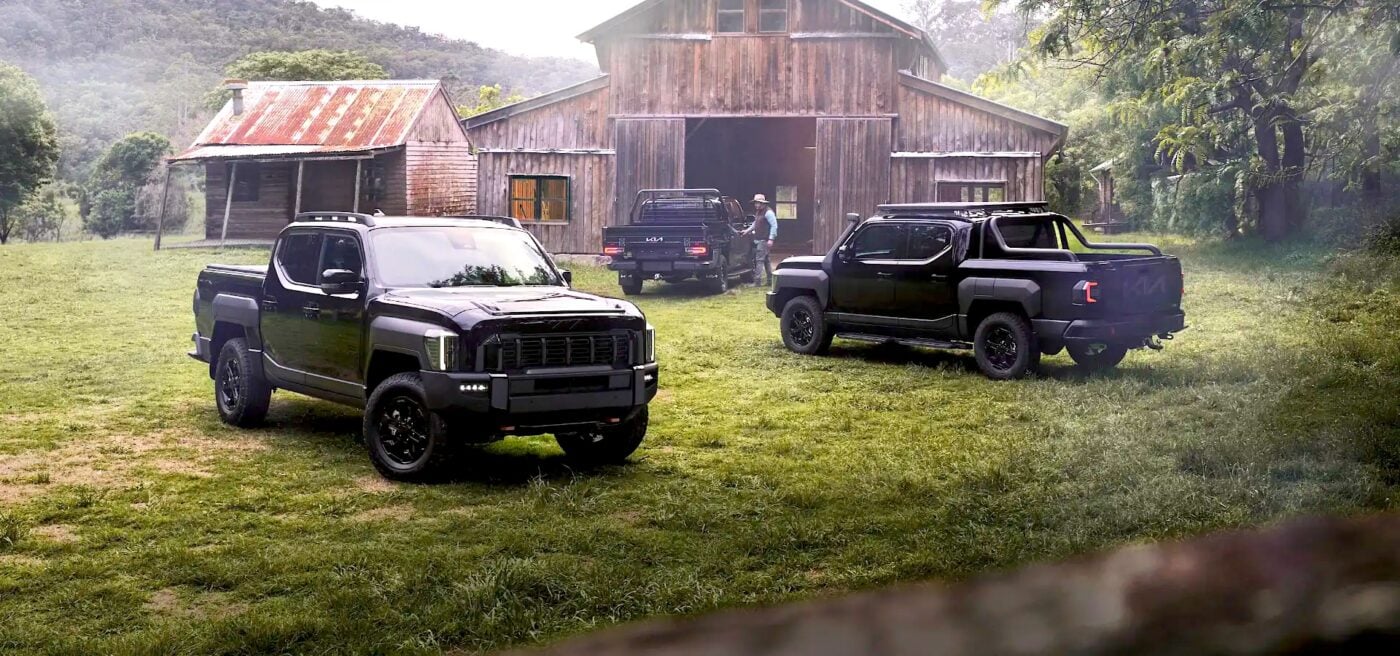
(649, 345)
(441, 347)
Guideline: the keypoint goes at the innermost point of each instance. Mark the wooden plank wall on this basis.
(753, 74)
(853, 173)
(650, 155)
(263, 219)
(442, 178)
(928, 123)
(698, 17)
(578, 122)
(916, 180)
(591, 191)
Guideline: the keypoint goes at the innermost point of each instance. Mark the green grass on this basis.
(131, 521)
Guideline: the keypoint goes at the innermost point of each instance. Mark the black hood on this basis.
(489, 302)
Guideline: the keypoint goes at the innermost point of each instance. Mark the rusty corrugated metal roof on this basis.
(292, 118)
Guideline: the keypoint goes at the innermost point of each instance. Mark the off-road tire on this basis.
(406, 441)
(631, 286)
(1006, 347)
(240, 391)
(606, 446)
(803, 327)
(720, 283)
(1104, 360)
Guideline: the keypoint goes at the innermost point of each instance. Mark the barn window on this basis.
(731, 17)
(786, 203)
(773, 16)
(540, 198)
(247, 183)
(972, 192)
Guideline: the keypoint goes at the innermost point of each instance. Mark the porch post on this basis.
(228, 203)
(359, 170)
(164, 192)
(301, 175)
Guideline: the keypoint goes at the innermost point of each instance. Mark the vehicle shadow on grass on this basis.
(965, 362)
(514, 462)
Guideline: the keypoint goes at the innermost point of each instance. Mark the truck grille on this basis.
(547, 351)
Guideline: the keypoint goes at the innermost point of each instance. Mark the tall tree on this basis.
(306, 65)
(1234, 73)
(972, 39)
(125, 168)
(28, 143)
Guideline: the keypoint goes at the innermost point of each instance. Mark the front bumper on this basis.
(774, 304)
(543, 399)
(1133, 332)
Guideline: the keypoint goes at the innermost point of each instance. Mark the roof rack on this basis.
(986, 208)
(502, 220)
(336, 217)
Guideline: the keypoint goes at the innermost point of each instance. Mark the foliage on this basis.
(28, 143)
(113, 211)
(122, 66)
(488, 98)
(116, 183)
(974, 39)
(297, 66)
(1197, 203)
(1230, 84)
(872, 467)
(43, 214)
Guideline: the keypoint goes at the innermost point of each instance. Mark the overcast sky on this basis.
(526, 27)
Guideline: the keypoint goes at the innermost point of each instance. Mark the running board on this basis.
(904, 341)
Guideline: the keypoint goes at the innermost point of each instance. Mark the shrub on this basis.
(112, 210)
(12, 530)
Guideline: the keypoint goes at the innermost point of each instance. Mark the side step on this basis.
(905, 341)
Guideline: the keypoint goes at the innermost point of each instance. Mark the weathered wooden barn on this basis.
(826, 106)
(280, 148)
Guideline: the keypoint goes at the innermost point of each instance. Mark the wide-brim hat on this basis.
(761, 199)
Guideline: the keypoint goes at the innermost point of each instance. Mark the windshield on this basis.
(459, 257)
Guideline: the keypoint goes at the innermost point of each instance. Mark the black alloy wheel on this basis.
(403, 430)
(1006, 347)
(407, 441)
(803, 327)
(230, 385)
(1001, 348)
(240, 391)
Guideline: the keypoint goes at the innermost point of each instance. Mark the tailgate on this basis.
(1141, 285)
(645, 242)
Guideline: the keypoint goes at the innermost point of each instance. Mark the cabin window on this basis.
(785, 205)
(247, 183)
(540, 198)
(374, 182)
(730, 19)
(972, 192)
(773, 16)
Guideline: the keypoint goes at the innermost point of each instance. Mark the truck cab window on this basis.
(342, 252)
(928, 241)
(299, 256)
(880, 242)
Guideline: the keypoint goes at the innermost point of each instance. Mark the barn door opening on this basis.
(744, 157)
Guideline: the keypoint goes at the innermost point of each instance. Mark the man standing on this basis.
(764, 231)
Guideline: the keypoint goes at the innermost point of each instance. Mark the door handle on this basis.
(269, 305)
(938, 276)
(884, 274)
(312, 311)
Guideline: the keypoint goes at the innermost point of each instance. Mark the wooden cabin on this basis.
(1108, 217)
(281, 148)
(825, 106)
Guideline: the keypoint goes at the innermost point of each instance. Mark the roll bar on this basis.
(1062, 222)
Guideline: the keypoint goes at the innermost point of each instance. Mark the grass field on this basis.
(131, 521)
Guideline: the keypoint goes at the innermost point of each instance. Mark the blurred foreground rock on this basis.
(1317, 586)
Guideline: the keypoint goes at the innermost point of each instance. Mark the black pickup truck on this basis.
(679, 234)
(1002, 279)
(447, 332)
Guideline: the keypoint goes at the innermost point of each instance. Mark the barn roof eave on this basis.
(984, 104)
(538, 102)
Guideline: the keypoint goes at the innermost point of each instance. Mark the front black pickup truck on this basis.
(1002, 279)
(446, 332)
(679, 234)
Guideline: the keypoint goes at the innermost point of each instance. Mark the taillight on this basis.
(1086, 293)
(612, 250)
(698, 249)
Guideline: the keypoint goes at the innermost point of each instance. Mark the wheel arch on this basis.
(789, 284)
(979, 298)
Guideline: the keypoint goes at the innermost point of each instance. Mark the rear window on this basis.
(1026, 233)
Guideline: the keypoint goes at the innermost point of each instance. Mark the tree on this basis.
(41, 217)
(489, 98)
(972, 40)
(116, 181)
(306, 65)
(1234, 76)
(28, 144)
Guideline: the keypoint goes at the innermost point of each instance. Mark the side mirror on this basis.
(844, 253)
(340, 281)
(852, 218)
(568, 276)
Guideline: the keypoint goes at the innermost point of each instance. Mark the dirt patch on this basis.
(181, 468)
(170, 602)
(664, 396)
(629, 517)
(387, 513)
(60, 533)
(21, 562)
(375, 485)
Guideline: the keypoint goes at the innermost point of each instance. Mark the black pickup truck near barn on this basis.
(446, 331)
(1010, 281)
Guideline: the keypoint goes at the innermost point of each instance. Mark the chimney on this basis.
(237, 87)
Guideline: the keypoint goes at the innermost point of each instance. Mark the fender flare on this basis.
(813, 280)
(1025, 293)
(401, 336)
(240, 311)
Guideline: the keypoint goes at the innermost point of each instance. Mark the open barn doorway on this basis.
(775, 157)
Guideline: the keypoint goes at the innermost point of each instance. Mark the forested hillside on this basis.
(112, 67)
